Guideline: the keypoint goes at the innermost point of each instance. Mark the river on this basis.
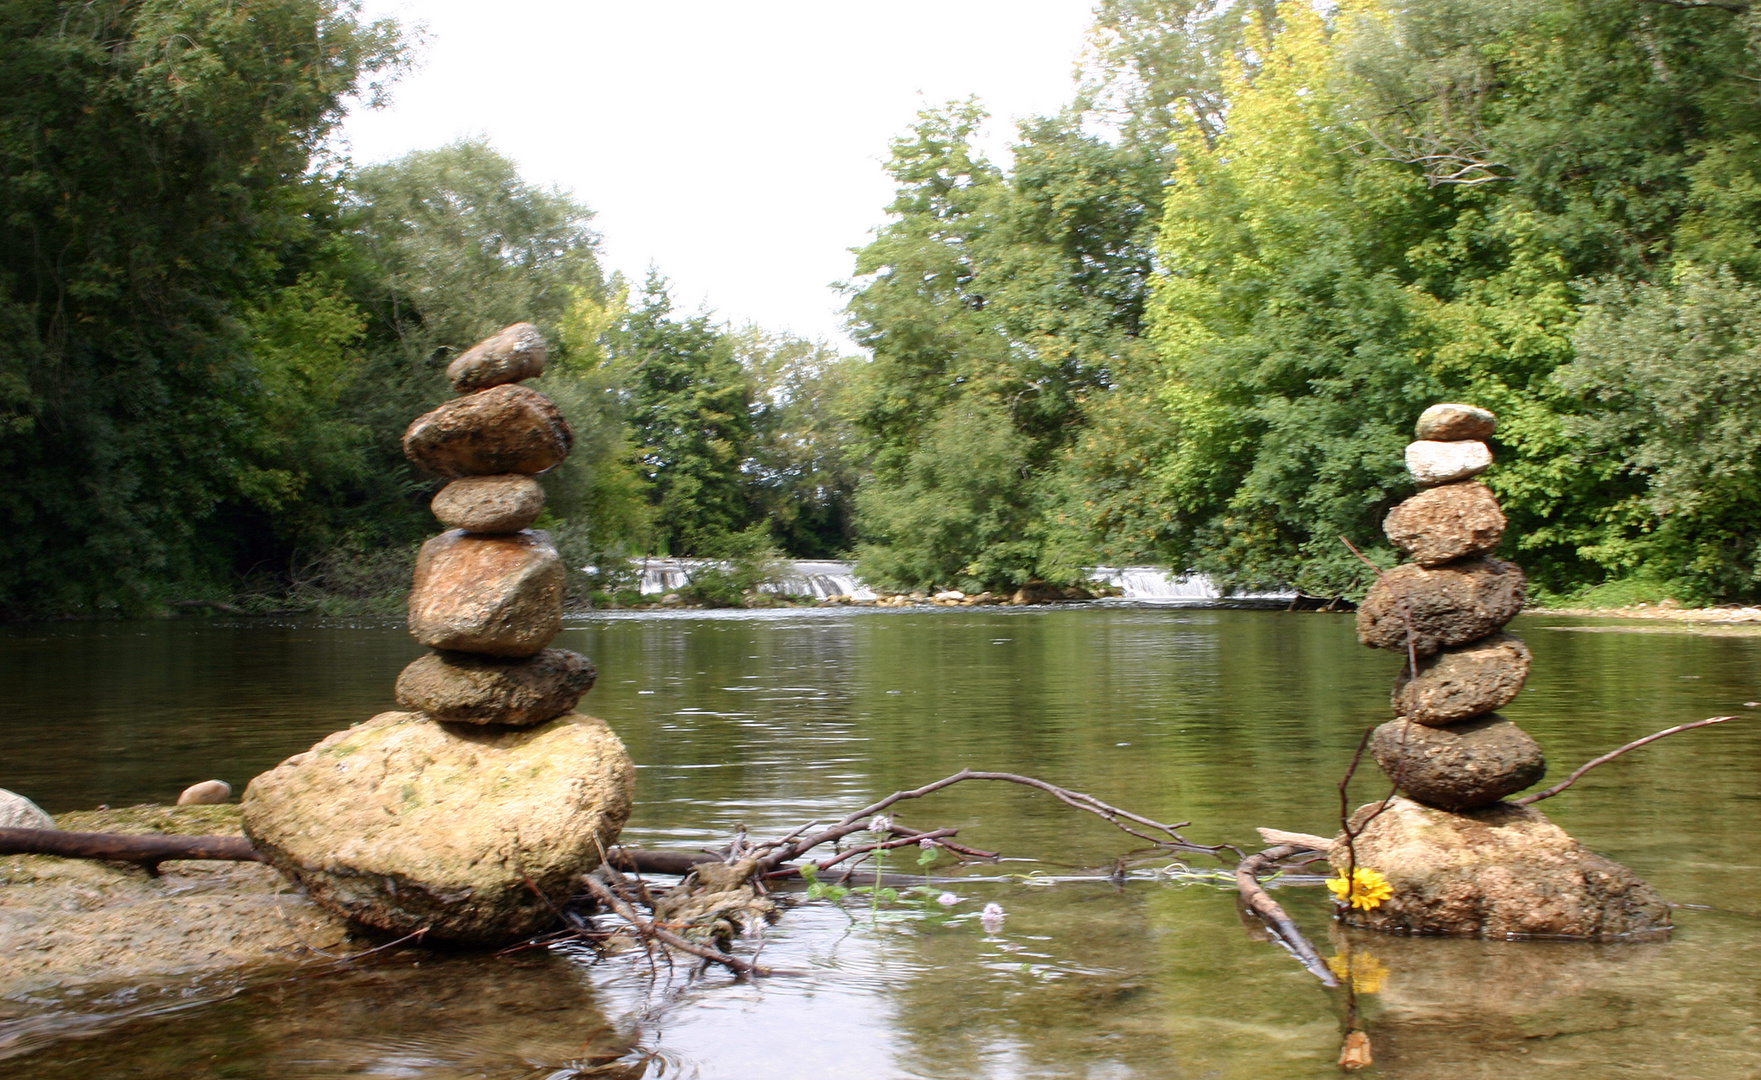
(1229, 719)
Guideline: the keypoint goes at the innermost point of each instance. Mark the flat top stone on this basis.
(1454, 421)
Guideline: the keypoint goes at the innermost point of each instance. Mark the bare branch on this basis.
(1289, 935)
(146, 851)
(648, 929)
(1612, 754)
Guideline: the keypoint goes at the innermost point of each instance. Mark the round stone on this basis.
(206, 793)
(1432, 463)
(469, 689)
(1463, 682)
(505, 429)
(517, 352)
(1466, 765)
(476, 834)
(1448, 422)
(500, 595)
(1445, 523)
(489, 504)
(1451, 604)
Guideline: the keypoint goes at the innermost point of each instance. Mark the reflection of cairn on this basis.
(1460, 860)
(472, 814)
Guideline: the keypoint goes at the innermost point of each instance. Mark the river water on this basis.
(1228, 719)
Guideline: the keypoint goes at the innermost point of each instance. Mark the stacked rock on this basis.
(470, 815)
(1460, 860)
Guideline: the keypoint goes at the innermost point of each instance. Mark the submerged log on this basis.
(145, 851)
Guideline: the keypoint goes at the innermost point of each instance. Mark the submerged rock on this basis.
(1451, 604)
(500, 595)
(1500, 871)
(1462, 766)
(1446, 523)
(18, 812)
(505, 429)
(475, 833)
(489, 504)
(517, 352)
(1450, 421)
(1431, 462)
(470, 689)
(1466, 681)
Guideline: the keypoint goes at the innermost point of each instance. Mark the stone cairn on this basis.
(470, 815)
(1460, 860)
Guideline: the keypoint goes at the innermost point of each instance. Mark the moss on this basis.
(222, 820)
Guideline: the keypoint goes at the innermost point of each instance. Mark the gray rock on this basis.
(1432, 463)
(18, 812)
(1466, 681)
(206, 793)
(505, 429)
(489, 504)
(1445, 523)
(517, 352)
(1466, 765)
(500, 595)
(1446, 423)
(469, 689)
(1451, 604)
(476, 833)
(1501, 871)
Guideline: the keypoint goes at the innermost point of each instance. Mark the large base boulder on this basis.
(1502, 871)
(476, 834)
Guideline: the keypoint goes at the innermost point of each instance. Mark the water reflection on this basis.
(1230, 719)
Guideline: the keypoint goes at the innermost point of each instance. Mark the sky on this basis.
(737, 146)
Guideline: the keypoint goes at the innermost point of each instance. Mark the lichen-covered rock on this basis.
(1451, 604)
(505, 429)
(18, 812)
(1431, 462)
(1466, 765)
(469, 689)
(517, 352)
(1450, 422)
(489, 504)
(500, 595)
(1500, 871)
(1466, 681)
(1445, 523)
(402, 823)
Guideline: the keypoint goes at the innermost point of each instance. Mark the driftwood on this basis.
(1284, 929)
(145, 851)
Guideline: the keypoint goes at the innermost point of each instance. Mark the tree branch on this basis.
(1612, 754)
(1247, 883)
(146, 851)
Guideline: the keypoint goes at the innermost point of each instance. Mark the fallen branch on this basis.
(145, 851)
(1612, 754)
(646, 928)
(1247, 883)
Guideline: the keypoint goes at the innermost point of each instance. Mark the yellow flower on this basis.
(1367, 890)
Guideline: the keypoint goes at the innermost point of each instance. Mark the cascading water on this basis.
(820, 578)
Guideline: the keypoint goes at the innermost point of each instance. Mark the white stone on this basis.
(950, 594)
(1432, 463)
(18, 812)
(206, 793)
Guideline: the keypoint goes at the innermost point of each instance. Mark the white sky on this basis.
(736, 145)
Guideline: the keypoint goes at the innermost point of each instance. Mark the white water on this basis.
(820, 578)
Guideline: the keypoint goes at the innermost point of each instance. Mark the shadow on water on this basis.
(1229, 719)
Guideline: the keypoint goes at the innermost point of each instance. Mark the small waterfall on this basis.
(820, 578)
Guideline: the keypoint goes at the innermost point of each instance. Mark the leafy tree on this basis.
(158, 203)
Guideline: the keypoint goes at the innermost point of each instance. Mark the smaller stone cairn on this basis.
(1458, 858)
(470, 815)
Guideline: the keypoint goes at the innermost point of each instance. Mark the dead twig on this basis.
(1283, 927)
(1612, 754)
(646, 929)
(145, 851)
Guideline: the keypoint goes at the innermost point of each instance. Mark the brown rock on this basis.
(501, 595)
(1466, 681)
(505, 429)
(476, 833)
(1445, 523)
(517, 352)
(1501, 871)
(1451, 604)
(1446, 423)
(470, 689)
(1460, 767)
(489, 504)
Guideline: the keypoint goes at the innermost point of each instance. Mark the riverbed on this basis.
(767, 720)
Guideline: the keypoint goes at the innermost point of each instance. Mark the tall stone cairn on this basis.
(1459, 859)
(469, 816)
